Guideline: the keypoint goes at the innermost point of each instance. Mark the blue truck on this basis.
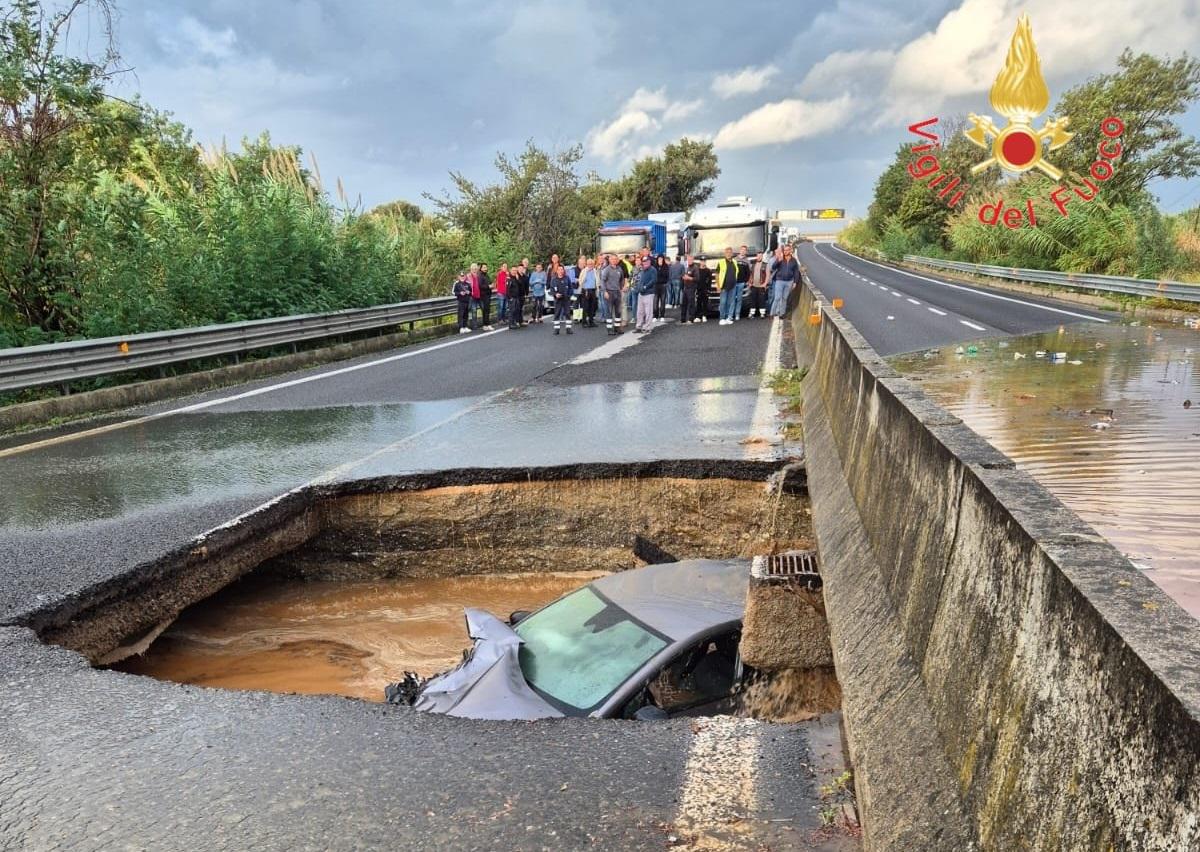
(629, 236)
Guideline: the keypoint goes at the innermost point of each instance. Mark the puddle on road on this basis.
(336, 638)
(1113, 436)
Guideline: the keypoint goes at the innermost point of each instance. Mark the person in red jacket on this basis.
(502, 291)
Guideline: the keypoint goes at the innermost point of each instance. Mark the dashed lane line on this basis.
(982, 293)
(936, 311)
(973, 325)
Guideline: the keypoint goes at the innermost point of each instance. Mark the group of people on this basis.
(641, 288)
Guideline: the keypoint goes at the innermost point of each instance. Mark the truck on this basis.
(629, 236)
(675, 224)
(733, 223)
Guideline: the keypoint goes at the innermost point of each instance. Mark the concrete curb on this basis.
(1062, 686)
(141, 393)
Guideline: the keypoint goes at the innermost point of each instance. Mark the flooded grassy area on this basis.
(1107, 418)
(336, 638)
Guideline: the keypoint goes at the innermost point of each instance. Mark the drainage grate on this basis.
(795, 566)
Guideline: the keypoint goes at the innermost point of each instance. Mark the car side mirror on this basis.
(650, 713)
(518, 616)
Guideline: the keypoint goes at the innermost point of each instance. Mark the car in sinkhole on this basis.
(655, 642)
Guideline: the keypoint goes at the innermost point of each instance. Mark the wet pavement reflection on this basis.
(1107, 418)
(186, 458)
(336, 638)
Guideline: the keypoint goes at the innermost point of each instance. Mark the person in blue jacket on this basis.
(647, 283)
(537, 287)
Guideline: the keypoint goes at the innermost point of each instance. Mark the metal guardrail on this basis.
(1176, 290)
(54, 363)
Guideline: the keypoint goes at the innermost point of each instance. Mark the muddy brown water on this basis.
(337, 638)
(1115, 436)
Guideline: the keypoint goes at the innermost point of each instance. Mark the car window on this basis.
(578, 650)
(702, 674)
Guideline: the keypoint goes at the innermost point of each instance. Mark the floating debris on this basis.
(1100, 426)
(1017, 356)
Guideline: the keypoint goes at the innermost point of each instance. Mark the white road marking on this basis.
(939, 313)
(719, 788)
(763, 422)
(914, 301)
(970, 289)
(973, 325)
(610, 348)
(199, 406)
(897, 293)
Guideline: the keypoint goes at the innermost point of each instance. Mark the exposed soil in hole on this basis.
(562, 525)
(337, 638)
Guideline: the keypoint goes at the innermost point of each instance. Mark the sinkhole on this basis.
(341, 589)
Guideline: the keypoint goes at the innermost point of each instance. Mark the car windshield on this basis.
(712, 242)
(621, 243)
(578, 650)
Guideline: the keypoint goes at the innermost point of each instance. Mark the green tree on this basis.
(45, 96)
(1148, 94)
(399, 209)
(682, 178)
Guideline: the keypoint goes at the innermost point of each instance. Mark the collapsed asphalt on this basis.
(95, 759)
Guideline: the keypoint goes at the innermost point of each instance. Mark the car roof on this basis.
(681, 599)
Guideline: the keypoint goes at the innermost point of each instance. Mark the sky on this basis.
(804, 101)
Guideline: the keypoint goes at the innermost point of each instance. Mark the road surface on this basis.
(899, 311)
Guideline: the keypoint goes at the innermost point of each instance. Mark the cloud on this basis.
(643, 114)
(616, 139)
(784, 121)
(745, 82)
(681, 109)
(648, 101)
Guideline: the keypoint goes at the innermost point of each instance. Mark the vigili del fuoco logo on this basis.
(1020, 95)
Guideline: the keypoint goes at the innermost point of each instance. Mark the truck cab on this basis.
(733, 223)
(629, 236)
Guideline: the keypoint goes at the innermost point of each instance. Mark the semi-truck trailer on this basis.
(629, 236)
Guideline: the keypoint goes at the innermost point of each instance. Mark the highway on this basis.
(87, 504)
(899, 311)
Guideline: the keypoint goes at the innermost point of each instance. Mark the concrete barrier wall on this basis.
(1062, 686)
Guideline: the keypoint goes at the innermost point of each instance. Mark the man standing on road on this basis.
(743, 262)
(727, 285)
(462, 292)
(687, 292)
(675, 283)
(646, 283)
(772, 262)
(759, 274)
(561, 288)
(485, 296)
(518, 282)
(610, 291)
(785, 278)
(703, 288)
(589, 282)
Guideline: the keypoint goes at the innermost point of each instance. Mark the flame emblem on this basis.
(1020, 95)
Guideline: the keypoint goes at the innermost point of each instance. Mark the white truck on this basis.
(735, 222)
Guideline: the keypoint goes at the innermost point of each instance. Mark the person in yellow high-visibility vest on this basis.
(727, 285)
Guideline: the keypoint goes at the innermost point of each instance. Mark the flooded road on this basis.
(1108, 419)
(338, 638)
